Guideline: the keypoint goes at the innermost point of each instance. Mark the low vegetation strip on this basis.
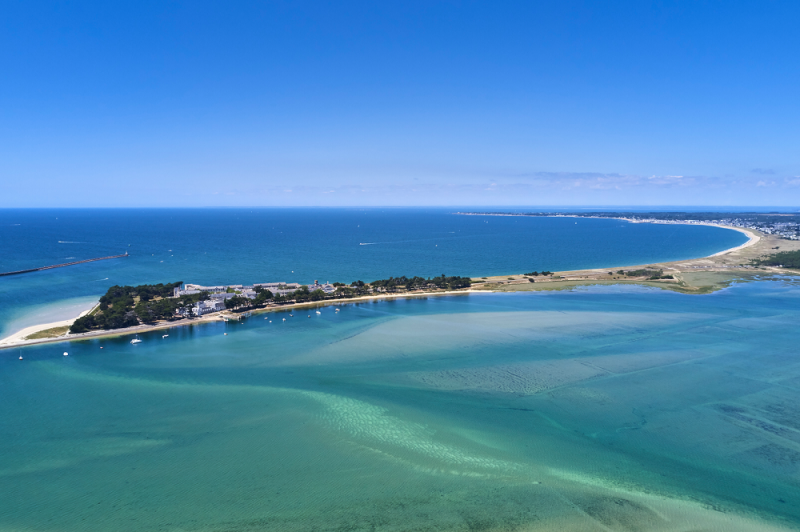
(53, 332)
(649, 274)
(783, 259)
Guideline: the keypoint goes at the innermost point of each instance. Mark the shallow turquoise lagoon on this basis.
(595, 409)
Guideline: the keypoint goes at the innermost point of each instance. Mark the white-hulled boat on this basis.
(136, 341)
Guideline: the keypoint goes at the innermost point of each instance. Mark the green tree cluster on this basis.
(785, 259)
(651, 275)
(413, 283)
(119, 306)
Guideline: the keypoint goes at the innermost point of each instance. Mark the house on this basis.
(327, 287)
(279, 289)
(211, 289)
(207, 306)
(178, 292)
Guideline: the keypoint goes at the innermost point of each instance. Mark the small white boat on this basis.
(165, 336)
(66, 354)
(20, 357)
(226, 334)
(134, 341)
(284, 319)
(318, 312)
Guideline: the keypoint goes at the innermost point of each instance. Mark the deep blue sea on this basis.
(211, 246)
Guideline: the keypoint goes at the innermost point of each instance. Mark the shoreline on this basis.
(752, 236)
(208, 318)
(565, 279)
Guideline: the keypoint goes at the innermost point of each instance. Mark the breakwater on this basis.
(62, 265)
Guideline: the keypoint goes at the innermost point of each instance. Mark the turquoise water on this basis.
(211, 246)
(595, 409)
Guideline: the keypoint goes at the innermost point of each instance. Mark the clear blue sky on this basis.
(399, 103)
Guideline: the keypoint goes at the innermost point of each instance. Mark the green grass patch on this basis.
(55, 332)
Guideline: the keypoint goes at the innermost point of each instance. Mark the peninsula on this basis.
(127, 309)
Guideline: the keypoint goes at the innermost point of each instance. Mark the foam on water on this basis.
(373, 426)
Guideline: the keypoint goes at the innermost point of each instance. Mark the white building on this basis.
(211, 289)
(205, 307)
(177, 292)
(222, 296)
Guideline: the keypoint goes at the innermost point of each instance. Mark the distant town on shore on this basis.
(784, 225)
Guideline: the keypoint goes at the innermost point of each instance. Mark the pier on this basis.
(62, 265)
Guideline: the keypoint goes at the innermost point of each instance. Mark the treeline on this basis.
(536, 274)
(354, 289)
(784, 259)
(651, 275)
(262, 296)
(126, 306)
(417, 283)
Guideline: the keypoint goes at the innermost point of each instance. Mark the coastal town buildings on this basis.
(783, 225)
(218, 294)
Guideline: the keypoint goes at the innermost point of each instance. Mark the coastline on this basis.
(735, 261)
(8, 343)
(753, 237)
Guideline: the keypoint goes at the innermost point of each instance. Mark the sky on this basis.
(393, 103)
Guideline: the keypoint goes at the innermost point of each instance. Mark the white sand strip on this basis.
(19, 336)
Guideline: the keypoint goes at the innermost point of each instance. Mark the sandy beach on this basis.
(754, 238)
